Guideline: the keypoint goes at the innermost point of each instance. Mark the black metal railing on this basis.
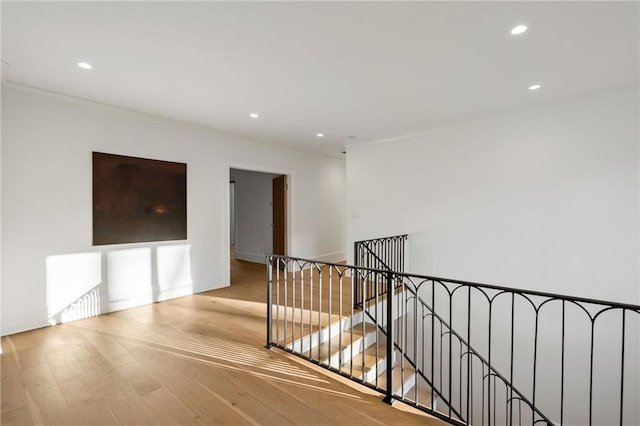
(465, 352)
(564, 360)
(386, 253)
(311, 312)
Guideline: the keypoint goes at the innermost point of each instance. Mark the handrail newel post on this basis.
(269, 302)
(389, 325)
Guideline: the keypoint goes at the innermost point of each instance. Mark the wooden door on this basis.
(280, 215)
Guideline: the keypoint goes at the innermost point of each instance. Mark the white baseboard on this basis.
(215, 282)
(16, 322)
(339, 256)
(336, 257)
(251, 257)
(127, 303)
(38, 317)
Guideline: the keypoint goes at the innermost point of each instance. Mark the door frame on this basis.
(279, 189)
(290, 210)
(232, 213)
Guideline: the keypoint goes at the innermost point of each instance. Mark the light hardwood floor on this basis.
(194, 360)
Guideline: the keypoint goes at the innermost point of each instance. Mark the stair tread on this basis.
(301, 328)
(423, 397)
(359, 351)
(398, 375)
(342, 341)
(356, 366)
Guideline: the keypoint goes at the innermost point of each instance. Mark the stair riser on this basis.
(351, 354)
(352, 350)
(312, 341)
(380, 367)
(379, 310)
(409, 382)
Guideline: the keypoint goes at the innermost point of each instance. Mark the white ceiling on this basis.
(373, 70)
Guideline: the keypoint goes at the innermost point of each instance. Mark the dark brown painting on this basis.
(138, 200)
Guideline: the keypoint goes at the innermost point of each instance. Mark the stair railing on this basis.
(311, 313)
(574, 359)
(379, 253)
(496, 355)
(365, 252)
(464, 350)
(386, 253)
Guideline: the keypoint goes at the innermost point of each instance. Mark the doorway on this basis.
(258, 219)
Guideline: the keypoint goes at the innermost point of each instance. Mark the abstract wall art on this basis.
(138, 200)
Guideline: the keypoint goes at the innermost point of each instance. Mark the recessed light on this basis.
(85, 65)
(519, 29)
(534, 87)
(320, 135)
(253, 115)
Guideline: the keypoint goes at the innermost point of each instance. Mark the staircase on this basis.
(344, 338)
(357, 348)
(464, 352)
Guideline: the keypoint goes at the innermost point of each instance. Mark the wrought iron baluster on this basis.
(535, 364)
(433, 333)
(311, 281)
(339, 319)
(415, 346)
(320, 330)
(286, 297)
(302, 311)
(355, 276)
(269, 302)
(591, 376)
(330, 302)
(510, 401)
(362, 330)
(489, 368)
(377, 321)
(624, 317)
(562, 367)
(390, 336)
(469, 357)
(278, 300)
(293, 307)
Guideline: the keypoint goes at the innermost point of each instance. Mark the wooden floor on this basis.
(194, 360)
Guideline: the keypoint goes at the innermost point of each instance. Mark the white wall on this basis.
(548, 202)
(48, 260)
(0, 207)
(2, 77)
(254, 214)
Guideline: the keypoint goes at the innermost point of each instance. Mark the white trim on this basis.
(251, 257)
(32, 320)
(338, 256)
(114, 305)
(173, 292)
